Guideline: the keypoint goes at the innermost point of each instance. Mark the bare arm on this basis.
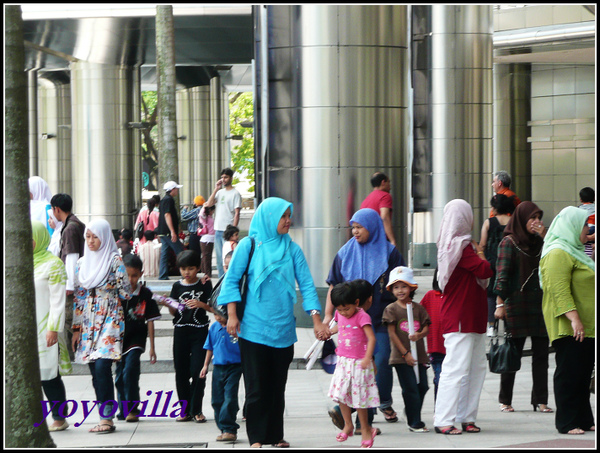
(236, 217)
(212, 199)
(386, 217)
(169, 221)
(151, 337)
(328, 308)
(484, 234)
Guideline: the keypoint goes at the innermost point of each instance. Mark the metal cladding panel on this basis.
(103, 182)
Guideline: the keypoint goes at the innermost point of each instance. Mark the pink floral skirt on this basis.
(353, 386)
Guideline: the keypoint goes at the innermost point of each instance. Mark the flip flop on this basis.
(99, 429)
(452, 431)
(200, 418)
(389, 414)
(282, 444)
(471, 428)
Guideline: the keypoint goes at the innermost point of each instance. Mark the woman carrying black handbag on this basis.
(519, 300)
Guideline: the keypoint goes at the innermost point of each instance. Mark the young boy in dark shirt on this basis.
(140, 313)
(191, 330)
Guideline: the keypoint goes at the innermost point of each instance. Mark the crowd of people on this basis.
(538, 280)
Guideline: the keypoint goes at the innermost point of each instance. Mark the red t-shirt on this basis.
(432, 302)
(376, 200)
(465, 302)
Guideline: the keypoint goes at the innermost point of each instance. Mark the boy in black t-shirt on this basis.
(140, 313)
(191, 330)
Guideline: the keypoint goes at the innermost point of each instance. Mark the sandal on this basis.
(389, 414)
(542, 407)
(185, 418)
(200, 418)
(506, 408)
(450, 430)
(369, 443)
(343, 437)
(103, 428)
(576, 431)
(282, 444)
(471, 427)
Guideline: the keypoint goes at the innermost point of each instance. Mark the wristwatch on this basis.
(314, 312)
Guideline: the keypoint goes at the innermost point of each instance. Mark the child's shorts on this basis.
(353, 386)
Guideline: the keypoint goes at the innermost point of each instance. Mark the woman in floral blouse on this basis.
(98, 323)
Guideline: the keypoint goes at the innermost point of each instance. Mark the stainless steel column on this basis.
(106, 152)
(337, 113)
(512, 111)
(453, 91)
(54, 130)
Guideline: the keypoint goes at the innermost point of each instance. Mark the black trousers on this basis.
(265, 371)
(574, 365)
(188, 359)
(539, 373)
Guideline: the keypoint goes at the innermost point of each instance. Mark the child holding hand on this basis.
(353, 384)
(403, 285)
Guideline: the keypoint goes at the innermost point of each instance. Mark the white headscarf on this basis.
(455, 235)
(40, 199)
(95, 266)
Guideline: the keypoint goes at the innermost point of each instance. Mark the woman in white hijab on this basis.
(98, 323)
(463, 275)
(39, 204)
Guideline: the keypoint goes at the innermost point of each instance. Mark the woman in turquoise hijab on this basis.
(569, 307)
(267, 331)
(50, 278)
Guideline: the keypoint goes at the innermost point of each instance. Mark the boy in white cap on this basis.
(168, 227)
(406, 361)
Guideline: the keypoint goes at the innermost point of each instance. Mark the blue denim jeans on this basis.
(385, 373)
(127, 380)
(104, 387)
(219, 251)
(436, 359)
(225, 386)
(166, 244)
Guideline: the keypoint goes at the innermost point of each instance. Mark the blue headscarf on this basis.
(271, 249)
(368, 261)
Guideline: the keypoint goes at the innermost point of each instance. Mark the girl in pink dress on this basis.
(353, 384)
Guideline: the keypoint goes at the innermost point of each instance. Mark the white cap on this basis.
(170, 185)
(402, 274)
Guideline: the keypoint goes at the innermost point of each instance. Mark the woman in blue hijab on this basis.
(370, 256)
(267, 331)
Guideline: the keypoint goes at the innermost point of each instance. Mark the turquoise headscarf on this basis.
(271, 249)
(564, 234)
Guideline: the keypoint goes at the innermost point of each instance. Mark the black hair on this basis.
(151, 203)
(188, 258)
(228, 255)
(502, 204)
(587, 195)
(62, 201)
(378, 178)
(131, 260)
(343, 294)
(149, 235)
(127, 234)
(363, 289)
(230, 230)
(227, 171)
(435, 285)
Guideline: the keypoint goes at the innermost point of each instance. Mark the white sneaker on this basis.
(490, 331)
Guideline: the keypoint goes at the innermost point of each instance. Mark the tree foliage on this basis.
(241, 110)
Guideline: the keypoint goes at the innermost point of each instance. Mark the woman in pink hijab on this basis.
(463, 275)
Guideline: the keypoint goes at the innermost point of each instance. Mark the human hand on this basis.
(75, 340)
(578, 330)
(410, 360)
(152, 356)
(414, 337)
(219, 184)
(205, 278)
(233, 324)
(192, 303)
(321, 330)
(174, 237)
(364, 363)
(203, 372)
(500, 313)
(51, 338)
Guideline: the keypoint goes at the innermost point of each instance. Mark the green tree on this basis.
(23, 391)
(241, 114)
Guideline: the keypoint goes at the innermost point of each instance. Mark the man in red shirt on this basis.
(501, 184)
(380, 200)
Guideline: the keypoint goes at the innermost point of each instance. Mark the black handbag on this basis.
(221, 309)
(505, 357)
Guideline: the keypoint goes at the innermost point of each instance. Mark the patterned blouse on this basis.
(99, 315)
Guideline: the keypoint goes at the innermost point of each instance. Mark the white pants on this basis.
(461, 381)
